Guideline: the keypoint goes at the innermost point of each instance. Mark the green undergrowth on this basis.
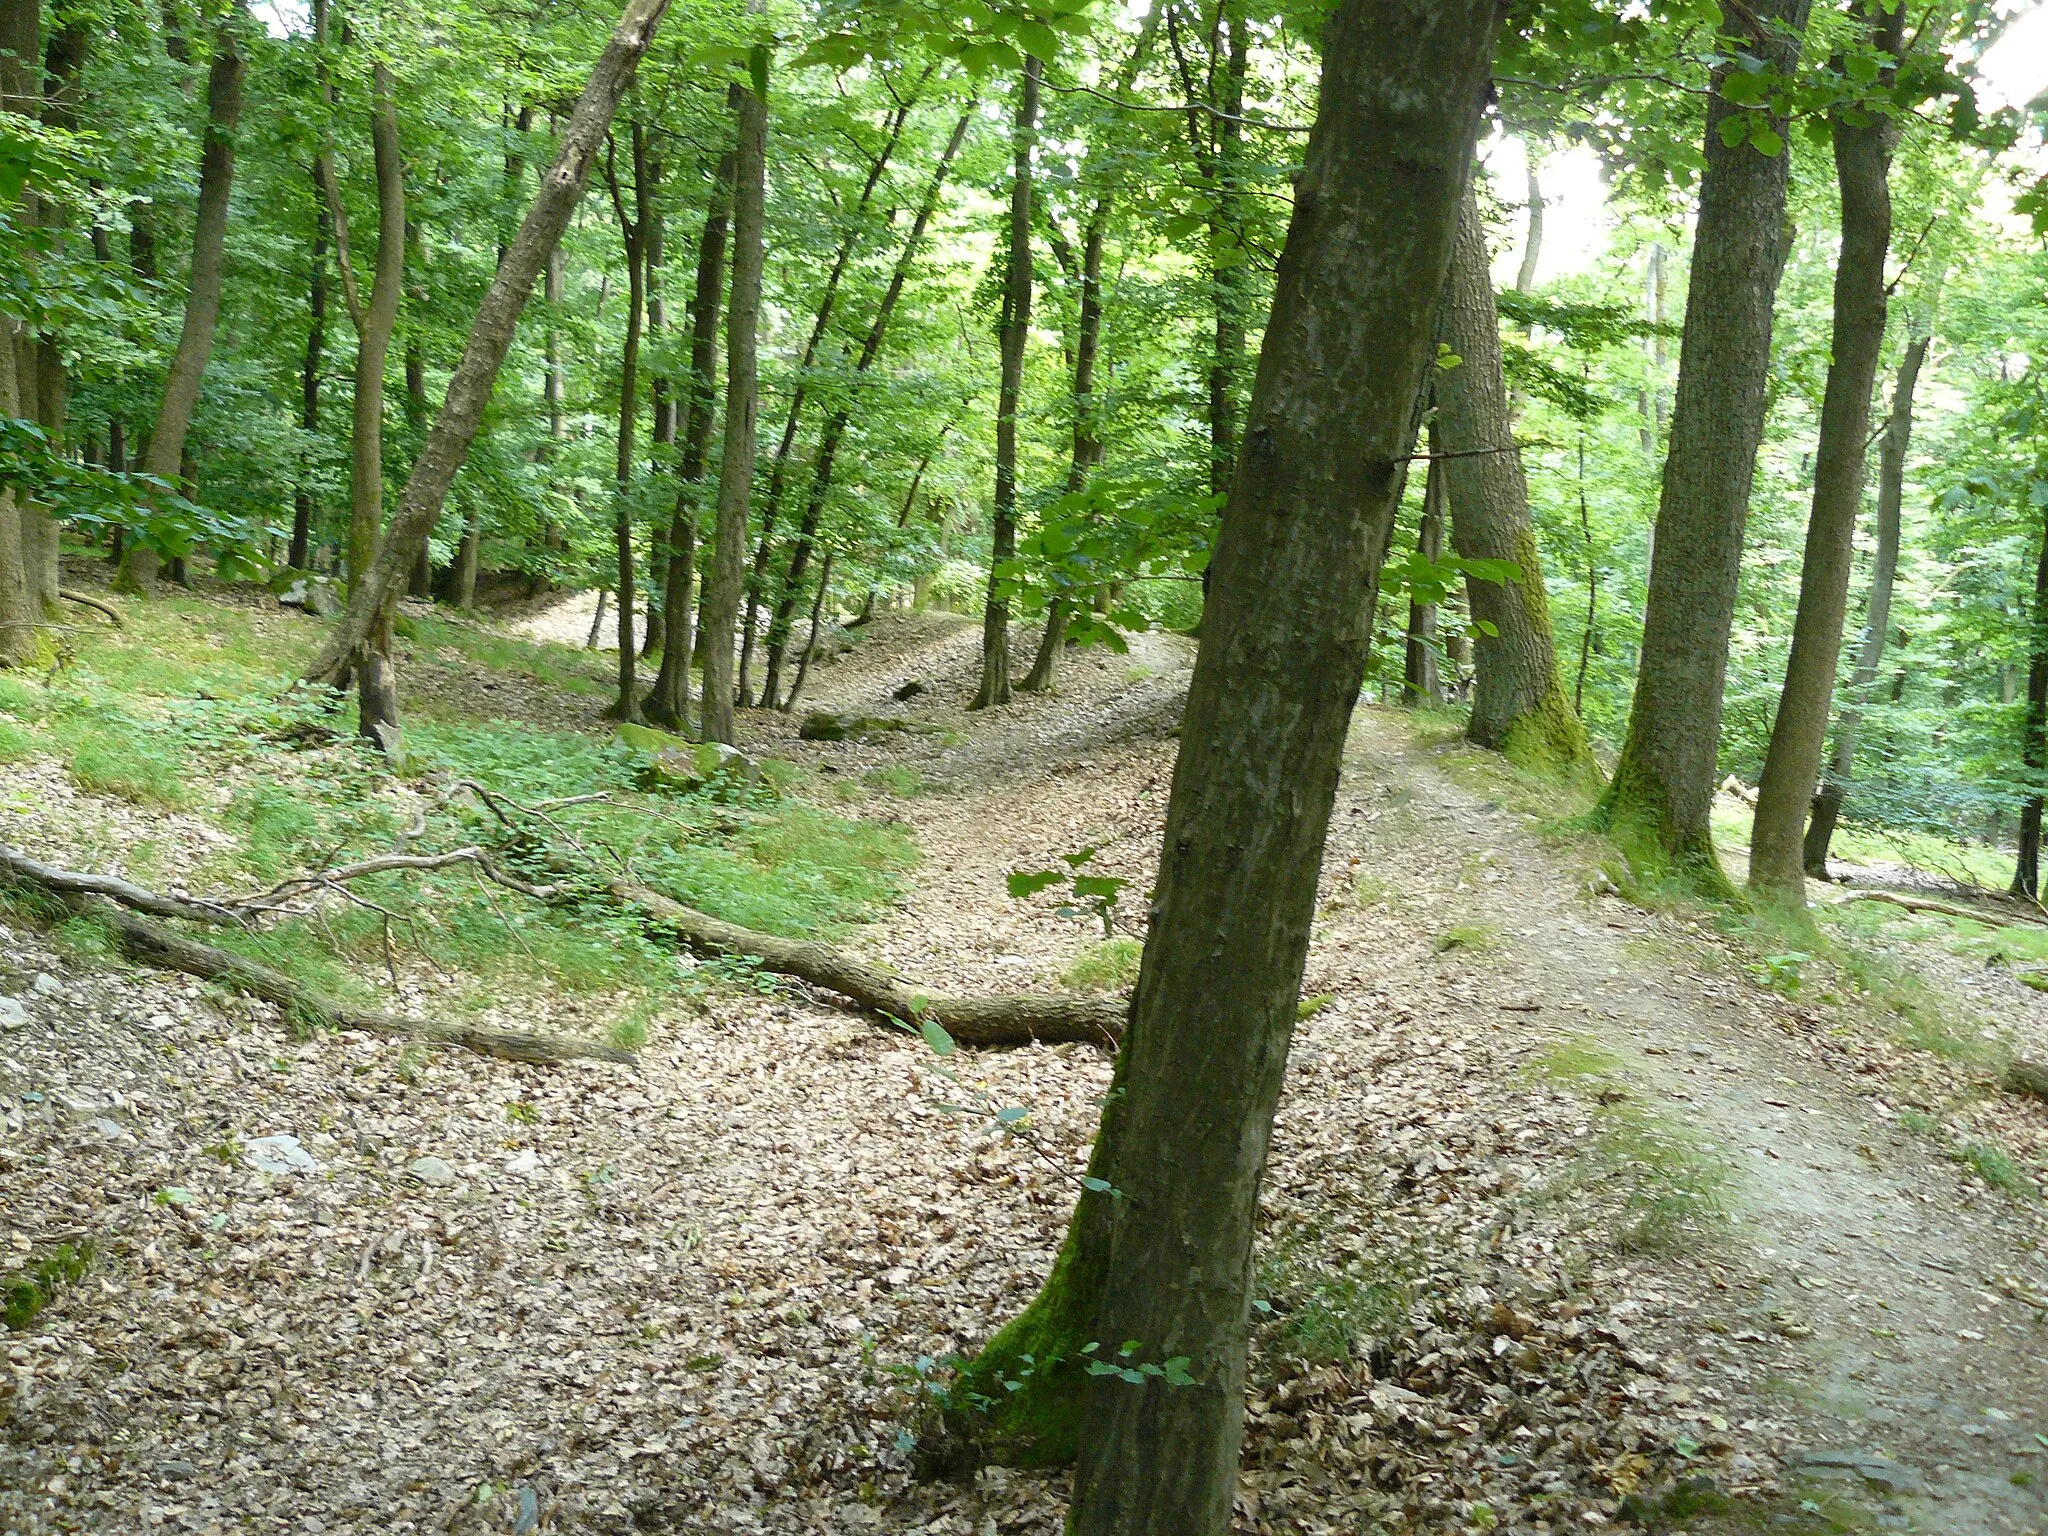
(1320, 1297)
(191, 709)
(1108, 966)
(1675, 1189)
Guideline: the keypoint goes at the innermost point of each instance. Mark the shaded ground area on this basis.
(1572, 1220)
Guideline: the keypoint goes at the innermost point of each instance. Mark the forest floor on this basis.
(1582, 1213)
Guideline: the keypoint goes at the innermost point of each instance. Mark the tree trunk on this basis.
(1016, 332)
(834, 432)
(1229, 267)
(490, 337)
(779, 466)
(1519, 706)
(1532, 244)
(742, 397)
(166, 454)
(668, 703)
(1663, 791)
(803, 666)
(1160, 1250)
(375, 320)
(1863, 151)
(662, 392)
(1420, 682)
(633, 236)
(301, 555)
(1044, 671)
(2026, 873)
(1891, 487)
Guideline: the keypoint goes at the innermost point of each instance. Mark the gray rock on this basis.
(46, 985)
(824, 725)
(1696, 1049)
(431, 1171)
(524, 1164)
(113, 1130)
(1878, 1471)
(12, 1014)
(176, 1471)
(315, 596)
(280, 1155)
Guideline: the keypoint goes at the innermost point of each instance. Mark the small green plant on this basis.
(899, 779)
(110, 762)
(1472, 936)
(519, 1112)
(1092, 895)
(1105, 967)
(1308, 1007)
(1918, 1122)
(17, 742)
(1995, 1168)
(24, 1295)
(1782, 973)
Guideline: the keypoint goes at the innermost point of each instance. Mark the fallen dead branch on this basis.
(1945, 909)
(154, 945)
(67, 882)
(1000, 1020)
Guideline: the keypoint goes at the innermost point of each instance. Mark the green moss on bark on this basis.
(1636, 815)
(1549, 741)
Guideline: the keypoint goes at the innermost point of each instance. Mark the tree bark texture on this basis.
(742, 399)
(994, 687)
(1519, 705)
(166, 455)
(1663, 790)
(668, 703)
(22, 637)
(490, 337)
(834, 431)
(1877, 618)
(1863, 152)
(1166, 1260)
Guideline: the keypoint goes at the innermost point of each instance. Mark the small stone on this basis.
(280, 1155)
(1878, 1471)
(12, 1014)
(431, 1171)
(524, 1163)
(113, 1130)
(176, 1471)
(46, 985)
(1696, 1049)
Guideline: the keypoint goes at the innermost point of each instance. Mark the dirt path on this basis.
(697, 1299)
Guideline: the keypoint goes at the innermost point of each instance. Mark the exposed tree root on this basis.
(86, 600)
(1003, 1020)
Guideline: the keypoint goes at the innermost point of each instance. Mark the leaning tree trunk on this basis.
(1519, 705)
(166, 454)
(1229, 270)
(1659, 804)
(1420, 680)
(778, 465)
(669, 701)
(490, 337)
(1863, 152)
(742, 398)
(1161, 1245)
(995, 622)
(2026, 873)
(662, 397)
(834, 432)
(1884, 570)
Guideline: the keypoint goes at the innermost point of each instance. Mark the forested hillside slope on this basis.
(985, 767)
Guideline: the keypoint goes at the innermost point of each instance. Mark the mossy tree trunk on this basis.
(1160, 1249)
(1863, 153)
(2026, 873)
(633, 237)
(22, 637)
(1660, 801)
(994, 687)
(1877, 619)
(1519, 705)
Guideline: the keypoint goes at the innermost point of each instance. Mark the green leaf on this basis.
(1096, 1186)
(936, 1037)
(757, 70)
(1734, 130)
(1022, 884)
(1039, 40)
(1076, 860)
(1767, 141)
(1102, 887)
(1012, 1115)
